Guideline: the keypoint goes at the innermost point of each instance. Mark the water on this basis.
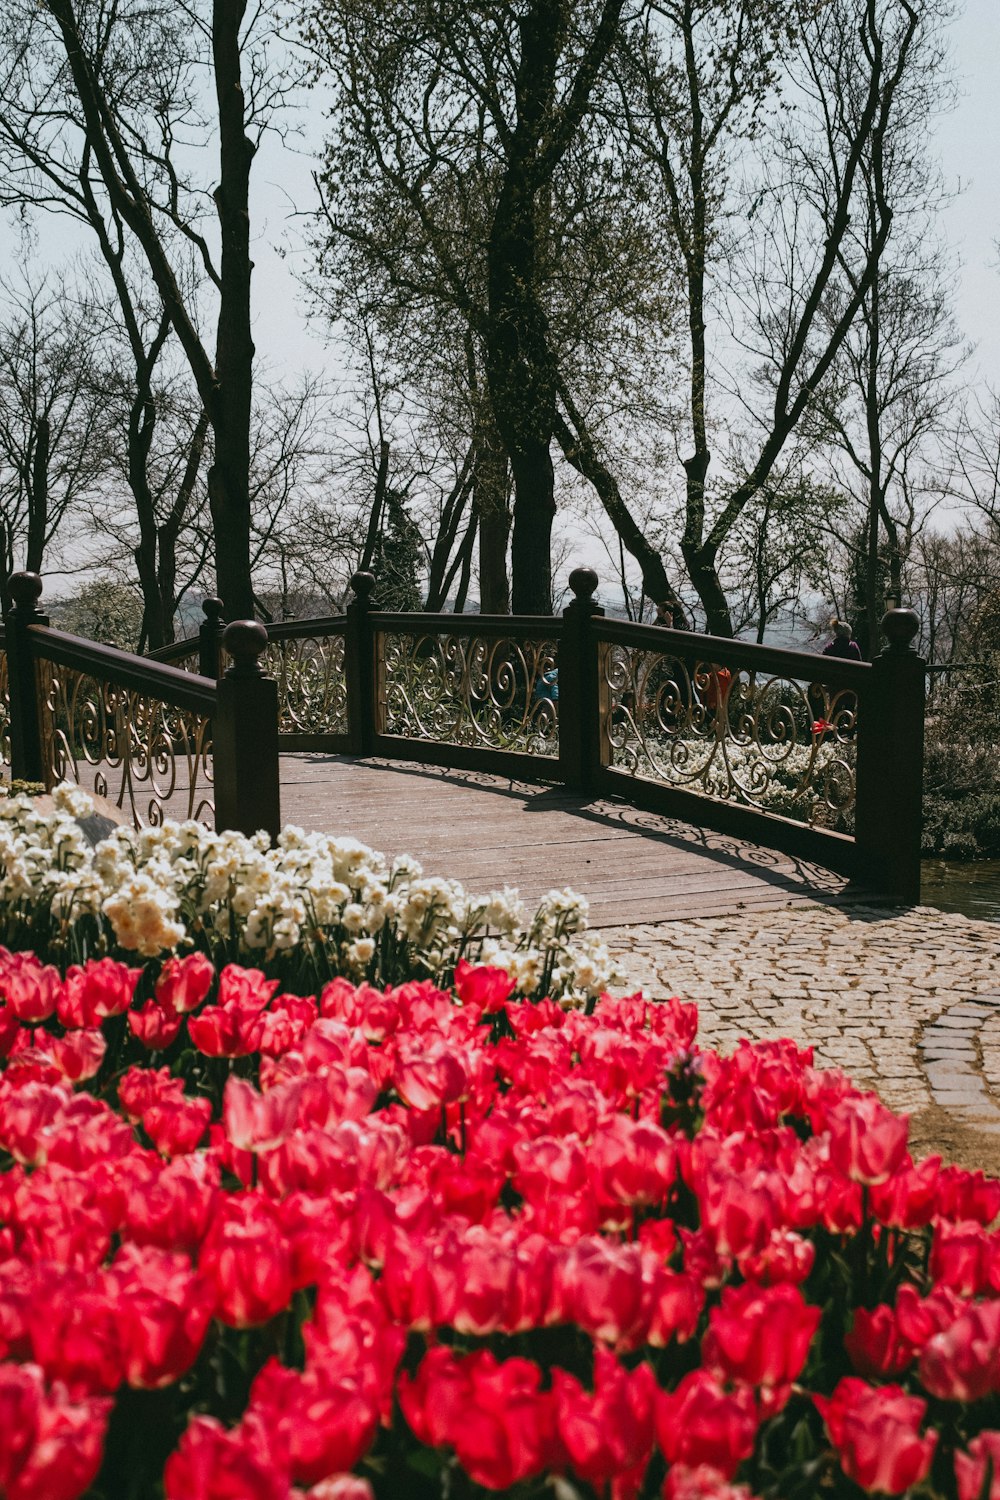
(972, 889)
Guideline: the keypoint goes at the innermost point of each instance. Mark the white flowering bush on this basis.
(313, 907)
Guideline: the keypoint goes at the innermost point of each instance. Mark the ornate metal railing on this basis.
(780, 737)
(480, 684)
(152, 739)
(135, 734)
(5, 751)
(308, 659)
(814, 754)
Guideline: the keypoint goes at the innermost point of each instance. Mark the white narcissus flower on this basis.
(153, 887)
(72, 799)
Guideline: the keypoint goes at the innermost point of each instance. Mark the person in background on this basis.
(843, 642)
(671, 614)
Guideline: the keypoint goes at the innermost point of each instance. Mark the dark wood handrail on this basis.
(879, 712)
(503, 627)
(320, 625)
(805, 666)
(155, 679)
(175, 651)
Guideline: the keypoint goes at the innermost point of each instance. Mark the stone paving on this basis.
(907, 1001)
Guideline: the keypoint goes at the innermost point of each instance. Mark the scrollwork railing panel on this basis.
(5, 755)
(312, 683)
(148, 757)
(492, 693)
(772, 742)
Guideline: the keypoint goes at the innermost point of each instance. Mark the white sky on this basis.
(968, 141)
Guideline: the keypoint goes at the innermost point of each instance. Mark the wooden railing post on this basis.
(245, 737)
(210, 638)
(888, 816)
(360, 667)
(579, 689)
(27, 759)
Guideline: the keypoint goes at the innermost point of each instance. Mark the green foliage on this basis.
(962, 770)
(397, 559)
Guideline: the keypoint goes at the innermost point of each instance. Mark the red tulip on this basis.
(155, 1025)
(429, 1074)
(211, 1463)
(610, 1432)
(231, 1030)
(327, 1421)
(962, 1362)
(867, 1141)
(259, 1122)
(29, 988)
(164, 1311)
(700, 1423)
(964, 1257)
(64, 1455)
(100, 989)
(176, 1125)
(486, 989)
(967, 1195)
(875, 1430)
(760, 1335)
(183, 983)
(875, 1345)
(247, 1260)
(970, 1468)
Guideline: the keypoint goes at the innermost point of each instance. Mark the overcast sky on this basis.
(967, 142)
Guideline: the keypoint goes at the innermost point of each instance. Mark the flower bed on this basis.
(312, 908)
(413, 1242)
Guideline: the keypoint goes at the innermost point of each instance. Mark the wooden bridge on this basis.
(661, 772)
(488, 831)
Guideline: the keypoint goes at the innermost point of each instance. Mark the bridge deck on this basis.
(489, 831)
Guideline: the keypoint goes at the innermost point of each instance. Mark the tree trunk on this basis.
(531, 543)
(702, 571)
(38, 508)
(225, 387)
(518, 367)
(493, 510)
(229, 476)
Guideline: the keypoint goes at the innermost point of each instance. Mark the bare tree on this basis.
(99, 104)
(473, 173)
(709, 73)
(55, 437)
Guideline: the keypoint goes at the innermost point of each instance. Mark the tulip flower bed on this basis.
(414, 1242)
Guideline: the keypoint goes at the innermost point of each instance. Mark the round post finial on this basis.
(246, 641)
(25, 589)
(212, 608)
(362, 585)
(900, 626)
(583, 582)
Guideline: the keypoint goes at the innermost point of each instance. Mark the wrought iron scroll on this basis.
(148, 757)
(472, 690)
(312, 683)
(5, 755)
(771, 742)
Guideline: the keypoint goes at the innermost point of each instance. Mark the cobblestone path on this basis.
(905, 1001)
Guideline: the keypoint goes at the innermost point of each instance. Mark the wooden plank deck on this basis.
(489, 831)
